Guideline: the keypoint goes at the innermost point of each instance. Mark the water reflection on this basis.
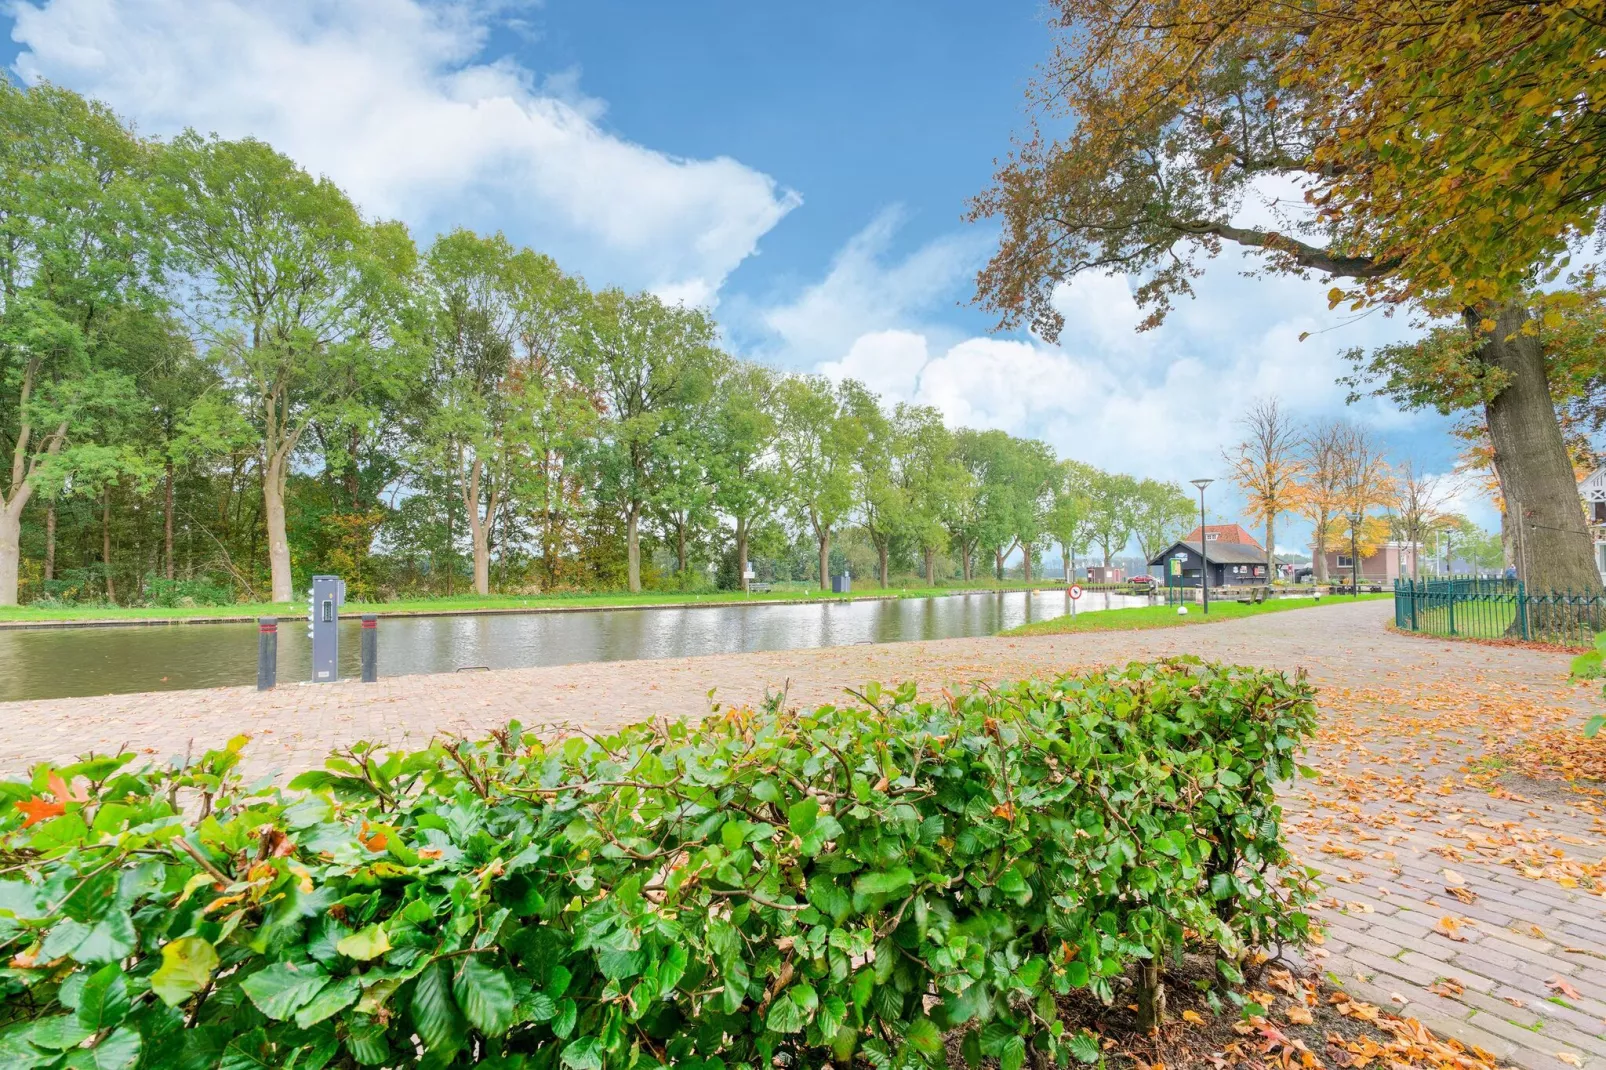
(66, 662)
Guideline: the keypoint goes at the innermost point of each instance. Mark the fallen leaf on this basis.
(1298, 1015)
(1450, 928)
(1193, 1017)
(1448, 987)
(1452, 877)
(1556, 984)
(1569, 1058)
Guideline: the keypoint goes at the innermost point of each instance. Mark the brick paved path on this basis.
(1392, 813)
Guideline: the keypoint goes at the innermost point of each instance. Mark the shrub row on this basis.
(850, 882)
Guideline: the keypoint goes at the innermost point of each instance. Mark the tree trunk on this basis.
(633, 547)
(1557, 552)
(680, 547)
(1026, 564)
(167, 522)
(1319, 547)
(106, 542)
(1151, 995)
(998, 564)
(931, 567)
(966, 563)
(481, 534)
(1065, 563)
(479, 527)
(50, 540)
(278, 541)
(881, 553)
(825, 560)
(1271, 547)
(11, 546)
(741, 554)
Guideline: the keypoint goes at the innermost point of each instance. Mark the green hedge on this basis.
(846, 882)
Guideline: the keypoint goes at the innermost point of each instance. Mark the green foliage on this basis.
(1589, 667)
(814, 885)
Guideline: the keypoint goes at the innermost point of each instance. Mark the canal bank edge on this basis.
(494, 611)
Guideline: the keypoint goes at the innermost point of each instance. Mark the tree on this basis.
(75, 245)
(1069, 518)
(647, 359)
(1418, 507)
(743, 467)
(966, 518)
(292, 290)
(1161, 514)
(1268, 468)
(1113, 514)
(1364, 482)
(1319, 497)
(491, 304)
(935, 484)
(817, 441)
(881, 493)
(1178, 109)
(1034, 473)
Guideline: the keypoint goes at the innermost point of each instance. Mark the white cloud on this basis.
(867, 291)
(392, 99)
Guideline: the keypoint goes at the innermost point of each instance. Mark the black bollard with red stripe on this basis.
(267, 653)
(370, 648)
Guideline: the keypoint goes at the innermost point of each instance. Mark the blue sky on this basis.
(802, 169)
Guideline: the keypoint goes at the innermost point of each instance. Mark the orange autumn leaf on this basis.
(39, 809)
(1450, 928)
(63, 793)
(376, 842)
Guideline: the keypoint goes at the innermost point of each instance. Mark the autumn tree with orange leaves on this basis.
(1268, 468)
(1319, 501)
(1451, 153)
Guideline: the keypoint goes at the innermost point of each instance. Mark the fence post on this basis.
(267, 653)
(1522, 608)
(1452, 608)
(370, 648)
(1413, 606)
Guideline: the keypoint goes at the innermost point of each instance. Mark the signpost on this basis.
(1075, 592)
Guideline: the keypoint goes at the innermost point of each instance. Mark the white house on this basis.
(1593, 491)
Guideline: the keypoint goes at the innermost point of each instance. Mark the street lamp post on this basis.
(1204, 554)
(1354, 554)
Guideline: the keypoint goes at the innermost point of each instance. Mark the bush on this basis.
(848, 881)
(174, 593)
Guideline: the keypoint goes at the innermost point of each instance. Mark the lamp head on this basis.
(1201, 483)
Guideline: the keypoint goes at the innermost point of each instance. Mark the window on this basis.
(1344, 561)
(1212, 536)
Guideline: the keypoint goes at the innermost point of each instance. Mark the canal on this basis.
(71, 662)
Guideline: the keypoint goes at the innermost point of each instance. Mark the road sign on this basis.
(1075, 592)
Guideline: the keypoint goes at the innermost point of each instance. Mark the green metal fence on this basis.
(1497, 609)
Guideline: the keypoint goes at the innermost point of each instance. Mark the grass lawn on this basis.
(471, 603)
(1118, 620)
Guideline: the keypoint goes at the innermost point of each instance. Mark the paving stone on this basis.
(1491, 1003)
(1411, 972)
(1470, 978)
(1538, 1042)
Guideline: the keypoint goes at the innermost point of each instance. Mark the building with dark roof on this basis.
(1232, 564)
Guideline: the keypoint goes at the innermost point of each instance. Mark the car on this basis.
(1143, 583)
